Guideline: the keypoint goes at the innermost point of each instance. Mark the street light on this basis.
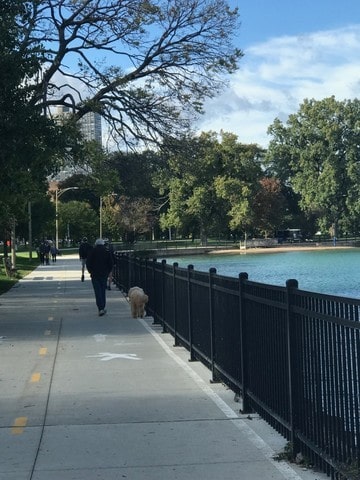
(58, 194)
(100, 217)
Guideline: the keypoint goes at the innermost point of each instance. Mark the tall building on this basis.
(90, 127)
(90, 124)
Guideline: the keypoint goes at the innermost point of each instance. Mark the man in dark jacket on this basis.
(99, 264)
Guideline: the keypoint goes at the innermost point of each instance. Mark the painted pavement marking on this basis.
(35, 377)
(19, 424)
(106, 356)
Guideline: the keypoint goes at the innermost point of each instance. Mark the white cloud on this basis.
(275, 77)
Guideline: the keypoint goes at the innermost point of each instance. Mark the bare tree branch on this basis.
(145, 66)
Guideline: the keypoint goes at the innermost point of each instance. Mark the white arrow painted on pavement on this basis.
(106, 356)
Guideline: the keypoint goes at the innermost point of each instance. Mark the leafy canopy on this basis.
(317, 153)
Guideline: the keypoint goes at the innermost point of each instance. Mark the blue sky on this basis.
(293, 50)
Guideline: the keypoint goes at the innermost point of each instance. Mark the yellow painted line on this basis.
(47, 332)
(43, 351)
(35, 377)
(19, 424)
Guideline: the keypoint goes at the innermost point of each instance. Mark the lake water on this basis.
(334, 271)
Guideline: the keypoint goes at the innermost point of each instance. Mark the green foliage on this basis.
(287, 454)
(31, 143)
(127, 218)
(212, 184)
(269, 206)
(317, 154)
(136, 173)
(78, 219)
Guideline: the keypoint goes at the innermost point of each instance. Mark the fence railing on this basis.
(292, 355)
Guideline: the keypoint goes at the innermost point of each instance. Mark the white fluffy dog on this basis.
(138, 299)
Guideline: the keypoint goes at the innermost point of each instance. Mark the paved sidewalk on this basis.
(84, 397)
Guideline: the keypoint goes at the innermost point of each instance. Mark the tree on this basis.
(32, 145)
(269, 206)
(145, 66)
(42, 221)
(317, 153)
(211, 185)
(129, 217)
(77, 219)
(136, 173)
(192, 206)
(238, 182)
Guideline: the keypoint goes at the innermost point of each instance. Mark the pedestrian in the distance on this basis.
(47, 249)
(54, 252)
(42, 253)
(84, 251)
(99, 264)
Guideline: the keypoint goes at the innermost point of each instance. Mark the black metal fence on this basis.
(292, 355)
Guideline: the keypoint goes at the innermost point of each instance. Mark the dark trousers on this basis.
(99, 285)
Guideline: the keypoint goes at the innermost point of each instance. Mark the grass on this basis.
(24, 266)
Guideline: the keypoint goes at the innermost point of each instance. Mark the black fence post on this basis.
(137, 271)
(146, 275)
(291, 284)
(130, 273)
(115, 269)
(163, 264)
(175, 265)
(154, 292)
(212, 272)
(189, 294)
(243, 346)
(140, 272)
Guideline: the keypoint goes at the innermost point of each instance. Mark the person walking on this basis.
(84, 250)
(54, 252)
(42, 253)
(47, 249)
(99, 264)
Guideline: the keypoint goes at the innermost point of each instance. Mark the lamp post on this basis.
(58, 194)
(100, 218)
(30, 229)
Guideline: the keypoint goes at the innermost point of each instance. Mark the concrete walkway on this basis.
(84, 397)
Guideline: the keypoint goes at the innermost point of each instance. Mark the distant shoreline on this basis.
(281, 249)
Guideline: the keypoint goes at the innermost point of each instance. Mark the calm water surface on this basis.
(335, 272)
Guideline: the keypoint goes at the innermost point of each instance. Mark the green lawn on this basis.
(24, 266)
